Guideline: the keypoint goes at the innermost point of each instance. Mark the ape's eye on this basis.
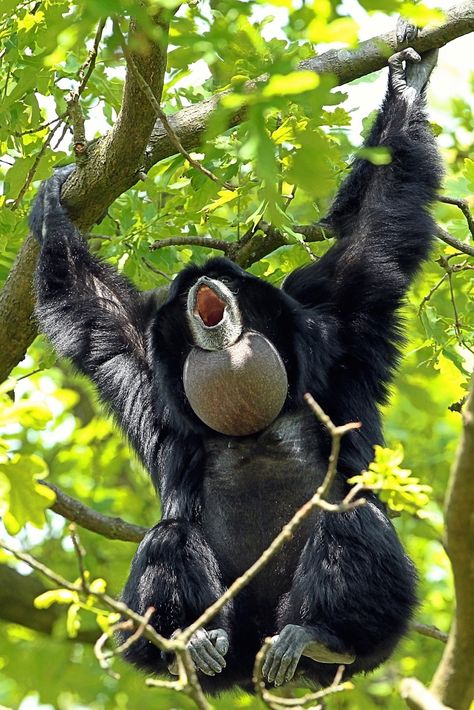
(226, 279)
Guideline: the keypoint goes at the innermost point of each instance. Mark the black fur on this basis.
(344, 576)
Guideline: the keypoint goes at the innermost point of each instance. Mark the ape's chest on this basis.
(252, 488)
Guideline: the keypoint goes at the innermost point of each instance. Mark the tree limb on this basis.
(105, 525)
(115, 162)
(453, 682)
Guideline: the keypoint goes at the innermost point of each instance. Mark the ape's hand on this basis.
(409, 72)
(207, 650)
(47, 204)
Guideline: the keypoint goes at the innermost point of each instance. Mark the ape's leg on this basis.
(351, 599)
(175, 572)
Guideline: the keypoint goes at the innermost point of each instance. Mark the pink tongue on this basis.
(209, 306)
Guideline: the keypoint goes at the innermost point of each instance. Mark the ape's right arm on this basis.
(94, 317)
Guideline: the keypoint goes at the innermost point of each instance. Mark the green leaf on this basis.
(27, 499)
(55, 596)
(289, 84)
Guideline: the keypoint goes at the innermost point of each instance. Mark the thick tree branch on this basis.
(453, 682)
(105, 525)
(115, 162)
(17, 327)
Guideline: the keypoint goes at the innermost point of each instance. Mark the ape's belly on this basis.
(252, 488)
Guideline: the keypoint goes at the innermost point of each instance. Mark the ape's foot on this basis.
(207, 650)
(410, 72)
(287, 648)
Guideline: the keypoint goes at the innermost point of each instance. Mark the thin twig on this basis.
(150, 633)
(80, 554)
(336, 432)
(34, 167)
(105, 656)
(218, 244)
(88, 66)
(40, 128)
(430, 631)
(431, 292)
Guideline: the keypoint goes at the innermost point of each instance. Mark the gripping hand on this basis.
(47, 207)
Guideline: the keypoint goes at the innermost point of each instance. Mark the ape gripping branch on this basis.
(115, 162)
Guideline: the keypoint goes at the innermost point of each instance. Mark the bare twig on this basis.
(431, 292)
(88, 67)
(336, 432)
(80, 554)
(104, 657)
(218, 244)
(40, 128)
(31, 172)
(149, 632)
(430, 631)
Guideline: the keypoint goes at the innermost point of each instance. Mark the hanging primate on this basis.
(209, 389)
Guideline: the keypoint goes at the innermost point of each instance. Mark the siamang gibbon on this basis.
(232, 464)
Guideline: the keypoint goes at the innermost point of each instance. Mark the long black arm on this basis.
(384, 231)
(95, 317)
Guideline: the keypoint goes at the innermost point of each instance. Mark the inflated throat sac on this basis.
(238, 390)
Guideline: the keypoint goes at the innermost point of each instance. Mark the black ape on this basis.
(344, 581)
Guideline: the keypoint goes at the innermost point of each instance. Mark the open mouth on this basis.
(209, 307)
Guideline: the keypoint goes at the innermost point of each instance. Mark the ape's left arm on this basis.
(384, 231)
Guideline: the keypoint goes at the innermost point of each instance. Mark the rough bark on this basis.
(453, 682)
(114, 161)
(17, 326)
